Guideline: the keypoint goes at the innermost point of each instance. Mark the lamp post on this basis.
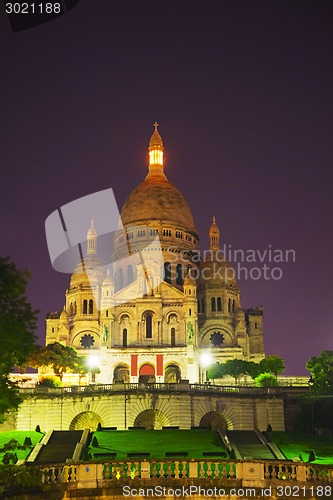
(92, 362)
(205, 361)
(311, 382)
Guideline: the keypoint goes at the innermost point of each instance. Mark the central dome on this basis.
(157, 199)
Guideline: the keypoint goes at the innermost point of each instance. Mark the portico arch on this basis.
(147, 373)
(215, 420)
(85, 420)
(151, 419)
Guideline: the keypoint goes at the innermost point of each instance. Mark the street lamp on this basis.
(92, 362)
(206, 360)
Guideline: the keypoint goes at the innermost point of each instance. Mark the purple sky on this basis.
(243, 95)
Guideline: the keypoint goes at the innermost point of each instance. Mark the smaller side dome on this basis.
(108, 279)
(189, 280)
(64, 316)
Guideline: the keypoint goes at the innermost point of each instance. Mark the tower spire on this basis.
(214, 236)
(156, 150)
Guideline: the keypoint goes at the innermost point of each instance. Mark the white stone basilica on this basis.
(143, 329)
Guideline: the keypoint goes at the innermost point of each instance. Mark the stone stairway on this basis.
(249, 445)
(59, 448)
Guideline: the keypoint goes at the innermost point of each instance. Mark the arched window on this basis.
(167, 272)
(120, 279)
(75, 308)
(255, 326)
(190, 312)
(107, 313)
(219, 304)
(125, 337)
(233, 306)
(129, 274)
(203, 305)
(91, 306)
(149, 333)
(71, 309)
(85, 306)
(213, 304)
(198, 302)
(229, 305)
(173, 337)
(179, 278)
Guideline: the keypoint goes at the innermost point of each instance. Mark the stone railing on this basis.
(152, 387)
(255, 473)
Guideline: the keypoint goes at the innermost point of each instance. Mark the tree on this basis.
(17, 326)
(235, 368)
(266, 380)
(59, 357)
(272, 364)
(322, 372)
(216, 370)
(253, 369)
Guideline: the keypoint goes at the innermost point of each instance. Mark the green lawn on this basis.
(20, 436)
(292, 444)
(157, 443)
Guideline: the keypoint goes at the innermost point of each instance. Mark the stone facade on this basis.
(139, 328)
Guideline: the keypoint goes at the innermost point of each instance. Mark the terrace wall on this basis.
(186, 406)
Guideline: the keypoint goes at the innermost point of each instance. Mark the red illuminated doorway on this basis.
(146, 374)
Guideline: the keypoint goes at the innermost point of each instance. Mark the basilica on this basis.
(167, 308)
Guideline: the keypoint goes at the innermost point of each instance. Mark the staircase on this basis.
(59, 448)
(249, 445)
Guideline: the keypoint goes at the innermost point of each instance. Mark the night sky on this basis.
(242, 91)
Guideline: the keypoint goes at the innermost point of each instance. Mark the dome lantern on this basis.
(91, 239)
(156, 153)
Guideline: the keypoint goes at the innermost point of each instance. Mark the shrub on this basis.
(95, 442)
(49, 382)
(27, 441)
(269, 428)
(99, 426)
(13, 477)
(312, 456)
(232, 453)
(37, 429)
(9, 458)
(266, 380)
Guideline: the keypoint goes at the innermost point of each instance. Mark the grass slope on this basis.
(157, 443)
(292, 444)
(20, 436)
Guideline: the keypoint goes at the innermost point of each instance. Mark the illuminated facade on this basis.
(147, 330)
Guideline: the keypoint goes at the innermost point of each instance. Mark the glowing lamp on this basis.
(206, 359)
(156, 157)
(92, 361)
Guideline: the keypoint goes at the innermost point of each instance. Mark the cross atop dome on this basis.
(156, 125)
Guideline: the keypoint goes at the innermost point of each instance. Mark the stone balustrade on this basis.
(157, 387)
(255, 473)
